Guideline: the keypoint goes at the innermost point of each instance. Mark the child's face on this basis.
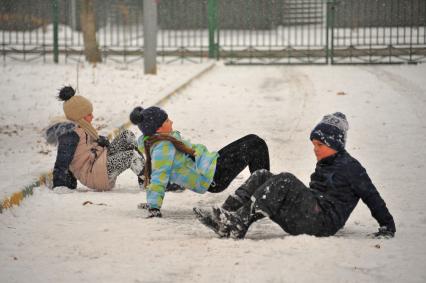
(88, 118)
(321, 150)
(166, 128)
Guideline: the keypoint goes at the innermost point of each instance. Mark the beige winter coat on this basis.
(89, 164)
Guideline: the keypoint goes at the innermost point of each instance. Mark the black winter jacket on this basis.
(339, 181)
(63, 135)
(62, 176)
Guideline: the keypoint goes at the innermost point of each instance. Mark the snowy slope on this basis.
(53, 237)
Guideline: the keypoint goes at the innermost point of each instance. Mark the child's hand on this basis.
(143, 205)
(103, 141)
(153, 212)
(384, 233)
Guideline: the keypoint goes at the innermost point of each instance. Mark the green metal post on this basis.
(331, 9)
(212, 22)
(55, 7)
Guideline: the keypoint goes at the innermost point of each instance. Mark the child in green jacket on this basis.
(170, 159)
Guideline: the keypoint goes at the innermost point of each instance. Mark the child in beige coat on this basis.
(86, 156)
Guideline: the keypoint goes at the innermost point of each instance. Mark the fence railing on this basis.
(293, 32)
(237, 31)
(378, 31)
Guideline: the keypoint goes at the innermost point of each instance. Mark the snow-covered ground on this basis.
(55, 238)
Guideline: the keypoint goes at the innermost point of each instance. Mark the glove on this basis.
(384, 233)
(143, 205)
(103, 141)
(153, 212)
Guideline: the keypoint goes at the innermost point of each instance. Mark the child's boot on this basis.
(232, 203)
(212, 220)
(237, 223)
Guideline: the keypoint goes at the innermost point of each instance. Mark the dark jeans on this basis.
(250, 151)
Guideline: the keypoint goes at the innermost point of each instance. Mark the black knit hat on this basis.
(148, 120)
(332, 131)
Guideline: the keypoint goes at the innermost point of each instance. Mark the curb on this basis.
(16, 198)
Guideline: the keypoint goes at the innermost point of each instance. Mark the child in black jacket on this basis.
(321, 209)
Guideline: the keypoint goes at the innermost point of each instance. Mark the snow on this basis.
(54, 237)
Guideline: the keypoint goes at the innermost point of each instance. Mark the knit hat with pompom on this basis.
(332, 131)
(77, 107)
(148, 120)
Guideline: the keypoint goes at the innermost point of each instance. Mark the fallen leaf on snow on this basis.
(89, 202)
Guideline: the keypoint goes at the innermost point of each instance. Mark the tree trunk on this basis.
(88, 27)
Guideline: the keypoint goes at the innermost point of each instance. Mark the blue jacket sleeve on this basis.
(162, 158)
(365, 189)
(62, 176)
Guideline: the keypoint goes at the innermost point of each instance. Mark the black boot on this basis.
(226, 223)
(237, 223)
(232, 203)
(212, 220)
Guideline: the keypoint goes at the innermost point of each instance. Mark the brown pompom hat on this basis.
(76, 107)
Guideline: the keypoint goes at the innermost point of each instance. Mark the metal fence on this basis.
(292, 31)
(27, 30)
(378, 31)
(237, 31)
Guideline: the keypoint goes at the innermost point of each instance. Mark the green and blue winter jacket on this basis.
(170, 165)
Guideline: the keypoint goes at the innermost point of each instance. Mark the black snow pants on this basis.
(286, 201)
(250, 151)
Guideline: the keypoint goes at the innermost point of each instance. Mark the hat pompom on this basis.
(340, 115)
(66, 93)
(136, 115)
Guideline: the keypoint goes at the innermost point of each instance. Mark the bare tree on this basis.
(88, 27)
